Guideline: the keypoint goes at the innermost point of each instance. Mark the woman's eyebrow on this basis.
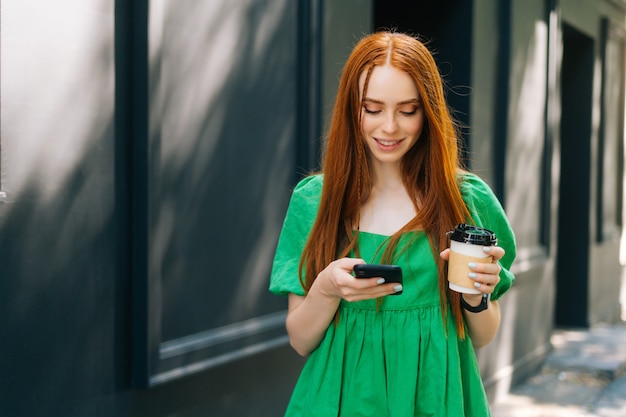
(409, 101)
(372, 100)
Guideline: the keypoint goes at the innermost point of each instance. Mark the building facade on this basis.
(148, 150)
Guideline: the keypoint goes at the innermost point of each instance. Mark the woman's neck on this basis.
(388, 207)
(387, 177)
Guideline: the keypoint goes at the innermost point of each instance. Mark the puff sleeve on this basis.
(487, 212)
(297, 226)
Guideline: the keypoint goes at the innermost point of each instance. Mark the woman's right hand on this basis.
(309, 316)
(337, 281)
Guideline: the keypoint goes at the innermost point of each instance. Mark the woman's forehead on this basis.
(387, 83)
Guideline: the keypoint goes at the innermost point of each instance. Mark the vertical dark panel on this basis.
(122, 120)
(2, 195)
(131, 119)
(501, 118)
(309, 92)
(551, 120)
(572, 303)
(223, 150)
(226, 124)
(610, 136)
(58, 232)
(446, 26)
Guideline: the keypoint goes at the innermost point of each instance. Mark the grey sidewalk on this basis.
(584, 376)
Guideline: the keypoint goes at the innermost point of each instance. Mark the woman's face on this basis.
(392, 116)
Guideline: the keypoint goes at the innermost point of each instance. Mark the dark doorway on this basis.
(572, 270)
(446, 27)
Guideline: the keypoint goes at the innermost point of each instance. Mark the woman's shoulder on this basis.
(310, 185)
(472, 186)
(307, 193)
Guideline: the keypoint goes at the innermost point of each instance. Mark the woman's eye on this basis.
(370, 111)
(409, 112)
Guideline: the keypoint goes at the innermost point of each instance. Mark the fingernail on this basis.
(477, 284)
(472, 275)
(487, 249)
(472, 265)
(397, 288)
(380, 281)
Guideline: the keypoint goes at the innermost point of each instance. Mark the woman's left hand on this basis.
(485, 275)
(482, 326)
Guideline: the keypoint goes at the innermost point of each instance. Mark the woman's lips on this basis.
(388, 144)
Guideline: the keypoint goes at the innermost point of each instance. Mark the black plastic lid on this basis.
(473, 235)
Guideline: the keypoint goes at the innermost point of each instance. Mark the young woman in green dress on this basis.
(390, 187)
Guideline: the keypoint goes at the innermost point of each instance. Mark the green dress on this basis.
(401, 360)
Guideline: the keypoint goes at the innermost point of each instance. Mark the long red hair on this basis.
(429, 169)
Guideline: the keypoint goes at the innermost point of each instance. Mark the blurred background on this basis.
(148, 149)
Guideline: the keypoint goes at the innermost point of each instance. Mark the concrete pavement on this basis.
(584, 376)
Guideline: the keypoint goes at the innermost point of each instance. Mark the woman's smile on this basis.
(388, 144)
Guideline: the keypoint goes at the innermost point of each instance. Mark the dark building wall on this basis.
(148, 150)
(560, 193)
(524, 76)
(146, 158)
(592, 63)
(60, 293)
(551, 148)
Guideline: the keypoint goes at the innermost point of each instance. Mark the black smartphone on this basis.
(391, 273)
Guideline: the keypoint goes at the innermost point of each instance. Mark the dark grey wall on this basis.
(147, 153)
(220, 154)
(527, 137)
(173, 158)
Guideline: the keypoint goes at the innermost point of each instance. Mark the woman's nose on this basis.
(390, 123)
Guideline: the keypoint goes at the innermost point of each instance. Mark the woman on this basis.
(391, 186)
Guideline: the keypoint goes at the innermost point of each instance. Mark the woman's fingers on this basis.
(485, 275)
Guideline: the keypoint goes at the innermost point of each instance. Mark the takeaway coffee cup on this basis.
(466, 245)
